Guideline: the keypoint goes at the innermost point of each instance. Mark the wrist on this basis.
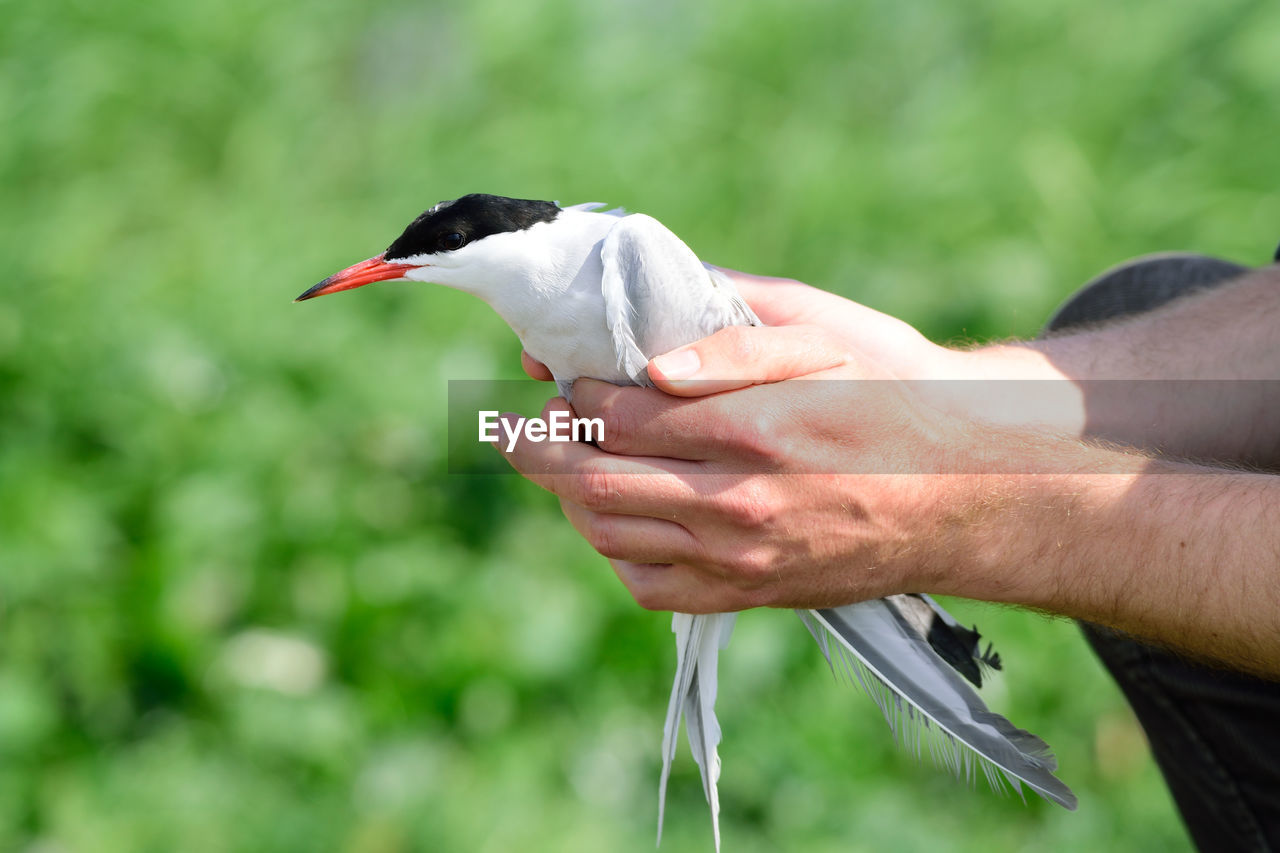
(1004, 385)
(1037, 519)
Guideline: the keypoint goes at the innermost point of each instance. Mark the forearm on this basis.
(1197, 378)
(1188, 557)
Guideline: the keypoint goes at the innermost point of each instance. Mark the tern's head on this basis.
(474, 243)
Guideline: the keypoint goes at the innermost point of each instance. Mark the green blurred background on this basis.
(244, 607)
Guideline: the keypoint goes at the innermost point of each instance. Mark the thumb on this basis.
(739, 356)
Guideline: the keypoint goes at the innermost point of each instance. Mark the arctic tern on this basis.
(593, 293)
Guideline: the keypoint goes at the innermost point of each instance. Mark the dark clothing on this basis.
(1215, 733)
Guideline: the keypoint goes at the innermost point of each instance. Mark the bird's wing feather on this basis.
(688, 630)
(594, 206)
(894, 664)
(693, 697)
(659, 296)
(699, 640)
(739, 311)
(700, 705)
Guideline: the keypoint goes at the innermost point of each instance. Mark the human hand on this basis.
(771, 495)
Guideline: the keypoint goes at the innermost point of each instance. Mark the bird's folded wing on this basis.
(659, 296)
(921, 695)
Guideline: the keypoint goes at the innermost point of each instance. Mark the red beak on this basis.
(365, 272)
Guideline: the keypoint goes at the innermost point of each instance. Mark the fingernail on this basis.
(678, 364)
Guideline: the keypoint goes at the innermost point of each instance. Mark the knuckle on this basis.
(749, 505)
(595, 489)
(750, 567)
(835, 345)
(753, 573)
(750, 513)
(738, 344)
(602, 533)
(619, 421)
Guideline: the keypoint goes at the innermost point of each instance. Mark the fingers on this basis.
(786, 302)
(641, 511)
(635, 538)
(684, 588)
(664, 586)
(600, 481)
(536, 369)
(645, 422)
(739, 356)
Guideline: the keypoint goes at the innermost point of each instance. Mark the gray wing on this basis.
(880, 649)
(659, 296)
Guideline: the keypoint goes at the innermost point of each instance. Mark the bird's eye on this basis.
(452, 240)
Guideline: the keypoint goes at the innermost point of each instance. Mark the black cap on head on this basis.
(453, 224)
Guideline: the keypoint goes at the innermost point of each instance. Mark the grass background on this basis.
(243, 605)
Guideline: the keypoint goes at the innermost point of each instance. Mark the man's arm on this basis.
(1198, 377)
(1184, 556)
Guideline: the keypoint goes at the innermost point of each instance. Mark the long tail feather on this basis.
(914, 687)
(699, 640)
(701, 724)
(688, 630)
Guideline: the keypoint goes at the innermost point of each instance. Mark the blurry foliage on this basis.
(244, 607)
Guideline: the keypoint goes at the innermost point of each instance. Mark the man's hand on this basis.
(772, 495)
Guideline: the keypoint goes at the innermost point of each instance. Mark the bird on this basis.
(596, 293)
